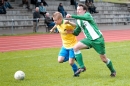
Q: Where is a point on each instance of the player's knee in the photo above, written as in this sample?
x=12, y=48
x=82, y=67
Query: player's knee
x=75, y=49
x=60, y=60
x=71, y=63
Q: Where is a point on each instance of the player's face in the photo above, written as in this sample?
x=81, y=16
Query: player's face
x=80, y=10
x=57, y=21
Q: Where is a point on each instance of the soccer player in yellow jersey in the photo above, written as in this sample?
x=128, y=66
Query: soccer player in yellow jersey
x=68, y=40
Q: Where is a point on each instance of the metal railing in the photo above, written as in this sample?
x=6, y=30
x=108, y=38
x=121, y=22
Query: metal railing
x=14, y=20
x=74, y=20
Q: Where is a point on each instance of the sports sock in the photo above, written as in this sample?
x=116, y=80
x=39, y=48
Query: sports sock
x=79, y=59
x=74, y=67
x=110, y=66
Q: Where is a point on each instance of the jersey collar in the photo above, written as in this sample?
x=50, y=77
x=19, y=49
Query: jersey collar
x=62, y=22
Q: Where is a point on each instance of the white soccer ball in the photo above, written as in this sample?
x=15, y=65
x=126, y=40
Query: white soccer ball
x=19, y=75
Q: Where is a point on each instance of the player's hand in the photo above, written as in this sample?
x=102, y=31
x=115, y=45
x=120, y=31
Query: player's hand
x=68, y=16
x=69, y=31
x=51, y=31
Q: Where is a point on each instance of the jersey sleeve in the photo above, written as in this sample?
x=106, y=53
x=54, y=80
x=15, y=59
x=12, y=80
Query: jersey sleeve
x=86, y=17
x=69, y=27
x=77, y=30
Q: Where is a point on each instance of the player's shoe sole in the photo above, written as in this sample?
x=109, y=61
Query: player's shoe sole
x=79, y=71
x=76, y=75
x=113, y=74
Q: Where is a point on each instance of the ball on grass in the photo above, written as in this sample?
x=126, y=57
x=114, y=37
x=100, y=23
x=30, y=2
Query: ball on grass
x=19, y=75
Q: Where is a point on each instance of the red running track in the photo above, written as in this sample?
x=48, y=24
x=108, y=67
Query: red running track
x=12, y=43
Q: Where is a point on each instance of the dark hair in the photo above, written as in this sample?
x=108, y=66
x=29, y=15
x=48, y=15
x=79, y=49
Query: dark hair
x=84, y=6
x=1, y=3
x=60, y=3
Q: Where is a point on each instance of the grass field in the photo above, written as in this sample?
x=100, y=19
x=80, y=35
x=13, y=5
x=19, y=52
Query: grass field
x=42, y=69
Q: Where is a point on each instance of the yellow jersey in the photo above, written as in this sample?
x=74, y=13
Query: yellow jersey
x=68, y=40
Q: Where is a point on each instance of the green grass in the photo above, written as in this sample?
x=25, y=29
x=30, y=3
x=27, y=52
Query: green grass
x=42, y=69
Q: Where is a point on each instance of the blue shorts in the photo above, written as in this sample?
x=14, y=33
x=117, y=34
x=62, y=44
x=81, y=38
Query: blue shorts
x=67, y=52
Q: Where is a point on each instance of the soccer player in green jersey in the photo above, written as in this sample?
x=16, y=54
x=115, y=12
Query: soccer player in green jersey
x=93, y=37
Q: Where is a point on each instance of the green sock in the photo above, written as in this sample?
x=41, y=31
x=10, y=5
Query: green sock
x=110, y=66
x=79, y=60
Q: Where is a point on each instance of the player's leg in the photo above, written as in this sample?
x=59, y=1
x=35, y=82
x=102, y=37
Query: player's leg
x=78, y=54
x=34, y=27
x=74, y=66
x=71, y=62
x=109, y=65
x=100, y=48
x=83, y=44
x=61, y=59
x=63, y=55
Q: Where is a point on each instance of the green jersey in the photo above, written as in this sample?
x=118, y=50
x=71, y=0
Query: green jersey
x=87, y=24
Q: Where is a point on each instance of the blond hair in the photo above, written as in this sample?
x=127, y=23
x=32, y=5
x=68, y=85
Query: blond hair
x=57, y=15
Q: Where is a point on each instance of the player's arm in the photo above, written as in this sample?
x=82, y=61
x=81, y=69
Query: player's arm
x=74, y=32
x=77, y=30
x=52, y=30
x=69, y=22
x=86, y=16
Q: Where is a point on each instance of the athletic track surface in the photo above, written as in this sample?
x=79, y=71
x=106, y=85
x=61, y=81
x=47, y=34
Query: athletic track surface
x=13, y=43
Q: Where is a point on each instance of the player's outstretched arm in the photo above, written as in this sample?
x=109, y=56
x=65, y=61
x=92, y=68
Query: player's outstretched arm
x=52, y=30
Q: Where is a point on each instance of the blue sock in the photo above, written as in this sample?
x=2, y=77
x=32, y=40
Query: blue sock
x=66, y=59
x=74, y=67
